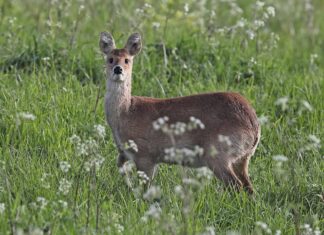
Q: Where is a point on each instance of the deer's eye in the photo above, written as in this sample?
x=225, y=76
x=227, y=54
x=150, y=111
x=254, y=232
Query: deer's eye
x=126, y=61
x=111, y=60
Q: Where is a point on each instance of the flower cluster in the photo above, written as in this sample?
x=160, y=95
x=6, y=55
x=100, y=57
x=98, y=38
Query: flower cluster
x=89, y=149
x=131, y=145
x=178, y=128
x=153, y=212
x=224, y=139
x=153, y=193
x=183, y=155
x=307, y=229
x=282, y=103
x=204, y=173
x=263, y=226
x=42, y=202
x=94, y=161
x=143, y=178
x=24, y=116
x=64, y=166
x=65, y=186
x=100, y=131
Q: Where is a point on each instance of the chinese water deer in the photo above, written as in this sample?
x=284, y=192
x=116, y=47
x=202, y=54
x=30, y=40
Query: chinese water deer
x=229, y=139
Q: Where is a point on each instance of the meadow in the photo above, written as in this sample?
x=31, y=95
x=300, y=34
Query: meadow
x=58, y=172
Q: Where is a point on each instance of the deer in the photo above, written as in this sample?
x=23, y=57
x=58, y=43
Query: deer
x=224, y=114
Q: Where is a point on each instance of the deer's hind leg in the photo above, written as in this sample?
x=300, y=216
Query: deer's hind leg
x=223, y=169
x=240, y=168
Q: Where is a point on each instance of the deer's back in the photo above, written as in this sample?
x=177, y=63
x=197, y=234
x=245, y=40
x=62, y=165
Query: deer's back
x=222, y=109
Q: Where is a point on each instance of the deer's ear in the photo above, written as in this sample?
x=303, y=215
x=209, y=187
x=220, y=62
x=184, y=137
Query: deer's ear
x=106, y=42
x=134, y=44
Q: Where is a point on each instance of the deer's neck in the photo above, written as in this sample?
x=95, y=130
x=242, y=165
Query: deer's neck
x=117, y=102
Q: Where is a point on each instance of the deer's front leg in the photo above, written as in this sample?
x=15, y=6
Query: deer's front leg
x=146, y=165
x=121, y=159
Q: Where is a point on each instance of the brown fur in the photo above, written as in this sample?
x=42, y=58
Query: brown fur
x=223, y=113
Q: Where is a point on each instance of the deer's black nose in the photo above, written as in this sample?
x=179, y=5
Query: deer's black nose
x=118, y=70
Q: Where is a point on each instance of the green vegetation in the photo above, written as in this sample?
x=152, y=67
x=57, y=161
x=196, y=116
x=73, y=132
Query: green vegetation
x=52, y=84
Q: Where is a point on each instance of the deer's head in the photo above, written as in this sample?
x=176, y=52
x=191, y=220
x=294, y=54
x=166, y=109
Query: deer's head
x=119, y=62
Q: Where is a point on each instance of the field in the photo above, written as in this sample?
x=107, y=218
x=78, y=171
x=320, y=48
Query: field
x=52, y=86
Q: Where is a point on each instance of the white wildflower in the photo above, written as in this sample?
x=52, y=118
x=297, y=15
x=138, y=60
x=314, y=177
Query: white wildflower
x=65, y=186
x=263, y=119
x=232, y=233
x=156, y=25
x=263, y=226
x=241, y=23
x=153, y=212
x=2, y=208
x=191, y=181
x=204, y=173
x=91, y=146
x=282, y=102
x=183, y=155
x=153, y=193
x=64, y=166
x=81, y=8
x=271, y=11
x=258, y=24
x=127, y=167
x=34, y=231
x=119, y=228
x=235, y=9
x=259, y=4
x=252, y=61
x=139, y=11
x=307, y=105
x=251, y=34
x=80, y=150
x=178, y=128
x=220, y=30
x=195, y=123
x=317, y=231
x=27, y=116
x=160, y=122
x=64, y=204
x=178, y=190
x=143, y=178
x=94, y=162
x=45, y=181
x=42, y=202
x=12, y=20
x=278, y=232
x=100, y=131
x=224, y=139
x=280, y=158
x=74, y=139
x=209, y=231
x=186, y=8
x=313, y=58
x=315, y=141
x=131, y=145
x=147, y=5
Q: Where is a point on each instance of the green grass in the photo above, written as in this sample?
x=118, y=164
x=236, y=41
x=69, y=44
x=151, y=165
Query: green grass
x=61, y=92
